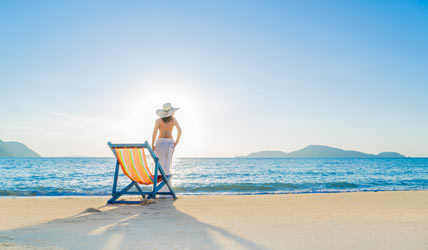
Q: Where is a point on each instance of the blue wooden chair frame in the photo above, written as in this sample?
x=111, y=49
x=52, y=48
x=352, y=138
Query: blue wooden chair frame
x=156, y=185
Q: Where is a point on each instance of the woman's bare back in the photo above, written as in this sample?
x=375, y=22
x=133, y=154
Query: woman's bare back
x=165, y=128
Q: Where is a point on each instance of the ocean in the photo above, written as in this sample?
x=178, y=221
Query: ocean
x=213, y=176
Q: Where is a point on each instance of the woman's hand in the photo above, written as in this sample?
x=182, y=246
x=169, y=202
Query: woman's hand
x=153, y=147
x=175, y=144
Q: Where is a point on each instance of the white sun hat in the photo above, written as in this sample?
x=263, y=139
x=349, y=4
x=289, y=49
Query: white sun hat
x=166, y=111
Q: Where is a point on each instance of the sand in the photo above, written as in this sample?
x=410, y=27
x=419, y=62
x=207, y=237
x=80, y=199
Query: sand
x=364, y=220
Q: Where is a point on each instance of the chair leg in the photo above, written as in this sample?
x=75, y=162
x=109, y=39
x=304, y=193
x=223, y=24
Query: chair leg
x=120, y=193
x=170, y=188
x=161, y=184
x=166, y=180
x=140, y=190
x=116, y=175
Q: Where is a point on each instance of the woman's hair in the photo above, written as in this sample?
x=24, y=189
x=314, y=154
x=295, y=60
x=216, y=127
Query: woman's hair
x=167, y=119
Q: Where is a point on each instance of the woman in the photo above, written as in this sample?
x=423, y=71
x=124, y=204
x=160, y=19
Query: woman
x=165, y=144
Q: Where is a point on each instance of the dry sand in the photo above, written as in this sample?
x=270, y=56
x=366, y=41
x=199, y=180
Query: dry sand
x=369, y=220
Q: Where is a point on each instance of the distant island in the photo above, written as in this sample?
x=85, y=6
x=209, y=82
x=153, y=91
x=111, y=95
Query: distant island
x=15, y=149
x=320, y=151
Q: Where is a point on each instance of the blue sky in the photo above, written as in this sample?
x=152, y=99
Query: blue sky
x=247, y=75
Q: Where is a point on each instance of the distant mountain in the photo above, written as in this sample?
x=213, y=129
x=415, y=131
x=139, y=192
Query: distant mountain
x=15, y=149
x=268, y=154
x=390, y=155
x=319, y=151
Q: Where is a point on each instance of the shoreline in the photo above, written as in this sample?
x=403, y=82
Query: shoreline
x=351, y=220
x=218, y=194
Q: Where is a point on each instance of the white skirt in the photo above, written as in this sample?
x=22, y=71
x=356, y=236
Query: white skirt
x=164, y=149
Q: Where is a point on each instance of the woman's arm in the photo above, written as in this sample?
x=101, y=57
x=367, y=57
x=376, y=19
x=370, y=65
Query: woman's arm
x=178, y=134
x=155, y=133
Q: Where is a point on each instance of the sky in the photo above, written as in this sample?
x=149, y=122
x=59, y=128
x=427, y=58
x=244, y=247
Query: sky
x=247, y=75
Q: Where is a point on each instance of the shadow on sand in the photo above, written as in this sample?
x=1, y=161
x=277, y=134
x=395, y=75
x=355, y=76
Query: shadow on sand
x=155, y=226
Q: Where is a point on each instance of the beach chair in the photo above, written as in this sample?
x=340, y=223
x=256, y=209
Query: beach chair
x=132, y=160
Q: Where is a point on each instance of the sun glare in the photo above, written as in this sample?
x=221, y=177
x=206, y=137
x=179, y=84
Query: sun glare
x=139, y=125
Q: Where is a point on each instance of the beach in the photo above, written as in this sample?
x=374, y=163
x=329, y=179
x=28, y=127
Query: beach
x=355, y=220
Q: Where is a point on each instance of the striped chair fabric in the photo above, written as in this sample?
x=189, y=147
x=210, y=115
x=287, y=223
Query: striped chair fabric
x=133, y=163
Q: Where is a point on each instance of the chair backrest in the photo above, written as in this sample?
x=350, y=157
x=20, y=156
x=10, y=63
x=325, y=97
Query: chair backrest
x=132, y=160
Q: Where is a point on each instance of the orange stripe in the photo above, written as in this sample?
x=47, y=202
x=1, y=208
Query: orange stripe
x=121, y=163
x=134, y=167
x=147, y=166
x=139, y=166
x=128, y=164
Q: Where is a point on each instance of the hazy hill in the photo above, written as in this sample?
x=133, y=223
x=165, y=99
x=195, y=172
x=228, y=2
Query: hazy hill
x=316, y=151
x=16, y=149
x=319, y=151
x=268, y=154
x=3, y=151
x=390, y=155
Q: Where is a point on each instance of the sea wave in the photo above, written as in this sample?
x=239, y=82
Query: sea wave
x=94, y=176
x=341, y=184
x=240, y=187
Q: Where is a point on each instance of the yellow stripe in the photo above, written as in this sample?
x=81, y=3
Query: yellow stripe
x=133, y=165
x=144, y=166
x=124, y=164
